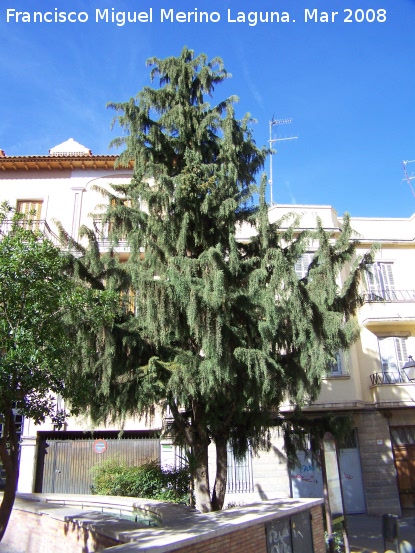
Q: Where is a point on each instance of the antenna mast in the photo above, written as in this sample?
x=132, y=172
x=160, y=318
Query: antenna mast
x=407, y=177
x=271, y=142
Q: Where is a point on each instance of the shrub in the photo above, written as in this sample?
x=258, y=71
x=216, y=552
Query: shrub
x=148, y=480
x=338, y=545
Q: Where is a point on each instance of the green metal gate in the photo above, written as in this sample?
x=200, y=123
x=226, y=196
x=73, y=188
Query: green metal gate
x=65, y=459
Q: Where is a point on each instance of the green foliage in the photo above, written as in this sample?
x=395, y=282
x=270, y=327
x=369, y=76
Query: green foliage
x=148, y=481
x=33, y=339
x=338, y=543
x=224, y=330
x=42, y=306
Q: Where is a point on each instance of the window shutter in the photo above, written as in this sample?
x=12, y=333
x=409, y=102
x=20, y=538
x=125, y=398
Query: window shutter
x=401, y=351
x=302, y=264
x=372, y=280
x=30, y=207
x=380, y=281
x=388, y=281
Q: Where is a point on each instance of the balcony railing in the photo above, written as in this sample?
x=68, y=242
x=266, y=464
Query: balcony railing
x=35, y=225
x=394, y=296
x=392, y=377
x=102, y=230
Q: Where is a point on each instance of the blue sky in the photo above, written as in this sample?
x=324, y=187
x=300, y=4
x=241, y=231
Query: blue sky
x=349, y=87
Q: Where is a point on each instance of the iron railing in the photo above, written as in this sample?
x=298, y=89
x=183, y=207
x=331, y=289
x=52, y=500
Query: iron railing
x=394, y=296
x=39, y=225
x=392, y=377
x=240, y=477
x=102, y=230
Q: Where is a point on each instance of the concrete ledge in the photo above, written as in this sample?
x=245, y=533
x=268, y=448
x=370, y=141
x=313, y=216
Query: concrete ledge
x=42, y=521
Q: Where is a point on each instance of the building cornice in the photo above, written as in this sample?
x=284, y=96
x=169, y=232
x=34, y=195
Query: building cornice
x=60, y=163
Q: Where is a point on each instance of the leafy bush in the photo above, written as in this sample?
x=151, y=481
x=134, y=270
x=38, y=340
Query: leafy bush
x=148, y=480
x=338, y=545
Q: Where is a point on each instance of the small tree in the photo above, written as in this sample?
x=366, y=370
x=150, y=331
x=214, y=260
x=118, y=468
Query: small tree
x=38, y=299
x=229, y=327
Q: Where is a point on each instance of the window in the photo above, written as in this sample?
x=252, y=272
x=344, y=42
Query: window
x=128, y=301
x=30, y=208
x=403, y=435
x=104, y=227
x=380, y=282
x=349, y=440
x=240, y=476
x=335, y=368
x=302, y=264
x=18, y=419
x=393, y=355
x=339, y=366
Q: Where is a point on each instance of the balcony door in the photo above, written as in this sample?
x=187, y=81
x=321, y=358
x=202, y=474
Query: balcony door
x=32, y=209
x=393, y=355
x=380, y=282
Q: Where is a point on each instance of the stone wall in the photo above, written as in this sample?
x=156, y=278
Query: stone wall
x=378, y=468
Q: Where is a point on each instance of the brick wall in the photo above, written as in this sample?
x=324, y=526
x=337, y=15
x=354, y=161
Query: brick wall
x=249, y=540
x=37, y=533
x=253, y=539
x=317, y=527
x=40, y=533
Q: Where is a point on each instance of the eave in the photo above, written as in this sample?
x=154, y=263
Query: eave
x=59, y=163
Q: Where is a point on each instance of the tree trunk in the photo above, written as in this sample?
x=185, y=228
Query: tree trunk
x=9, y=456
x=197, y=438
x=200, y=443
x=219, y=489
x=201, y=478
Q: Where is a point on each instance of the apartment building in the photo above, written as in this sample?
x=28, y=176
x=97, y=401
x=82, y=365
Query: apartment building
x=63, y=186
x=369, y=383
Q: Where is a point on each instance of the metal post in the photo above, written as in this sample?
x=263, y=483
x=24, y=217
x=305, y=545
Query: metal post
x=326, y=501
x=271, y=141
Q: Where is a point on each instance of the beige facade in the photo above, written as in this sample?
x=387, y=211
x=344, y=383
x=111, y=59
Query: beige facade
x=367, y=383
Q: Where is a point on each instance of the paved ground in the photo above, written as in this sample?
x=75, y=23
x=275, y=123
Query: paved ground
x=6, y=549
x=365, y=533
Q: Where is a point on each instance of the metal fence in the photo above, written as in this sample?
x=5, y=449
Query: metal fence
x=393, y=377
x=392, y=296
x=64, y=465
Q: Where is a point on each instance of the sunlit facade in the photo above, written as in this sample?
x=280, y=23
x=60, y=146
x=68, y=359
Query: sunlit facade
x=368, y=382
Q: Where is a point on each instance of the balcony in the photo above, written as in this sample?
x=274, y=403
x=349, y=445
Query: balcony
x=390, y=296
x=392, y=389
x=394, y=377
x=387, y=306
x=102, y=231
x=35, y=225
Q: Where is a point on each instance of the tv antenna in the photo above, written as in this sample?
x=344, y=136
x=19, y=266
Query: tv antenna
x=407, y=177
x=271, y=141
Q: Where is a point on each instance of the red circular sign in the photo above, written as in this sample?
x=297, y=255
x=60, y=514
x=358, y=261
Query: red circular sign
x=100, y=446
